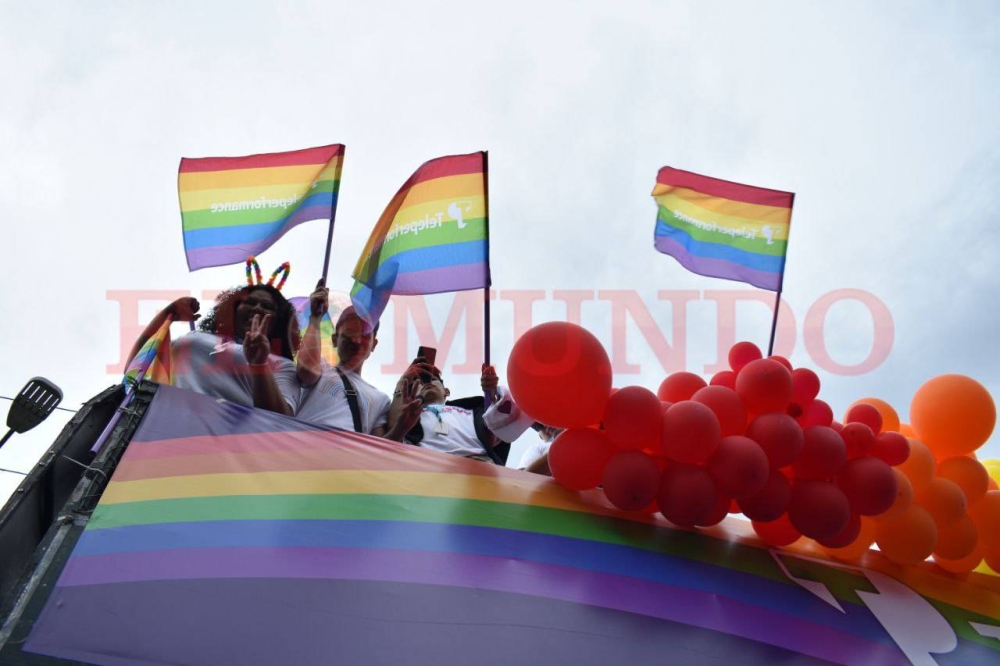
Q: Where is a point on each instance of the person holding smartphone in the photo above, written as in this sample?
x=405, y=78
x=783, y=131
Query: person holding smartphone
x=337, y=396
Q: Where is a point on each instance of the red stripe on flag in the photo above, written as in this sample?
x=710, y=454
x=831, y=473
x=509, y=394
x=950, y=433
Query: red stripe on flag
x=724, y=189
x=453, y=165
x=306, y=156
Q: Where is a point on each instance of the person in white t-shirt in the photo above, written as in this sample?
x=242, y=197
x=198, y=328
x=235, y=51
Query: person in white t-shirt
x=233, y=355
x=328, y=391
x=536, y=457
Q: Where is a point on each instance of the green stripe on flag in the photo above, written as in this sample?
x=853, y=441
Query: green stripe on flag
x=206, y=219
x=756, y=245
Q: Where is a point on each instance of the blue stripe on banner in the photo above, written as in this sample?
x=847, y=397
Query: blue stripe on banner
x=474, y=540
x=250, y=233
x=760, y=262
x=435, y=256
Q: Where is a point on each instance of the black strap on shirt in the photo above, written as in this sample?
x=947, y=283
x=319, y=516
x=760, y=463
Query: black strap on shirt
x=352, y=400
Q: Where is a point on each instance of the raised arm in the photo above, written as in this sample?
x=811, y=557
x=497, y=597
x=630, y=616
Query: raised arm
x=183, y=309
x=257, y=348
x=307, y=365
x=408, y=406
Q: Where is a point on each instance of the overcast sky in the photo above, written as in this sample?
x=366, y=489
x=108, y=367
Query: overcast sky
x=881, y=117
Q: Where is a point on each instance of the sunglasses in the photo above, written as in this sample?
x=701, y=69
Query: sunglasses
x=252, y=302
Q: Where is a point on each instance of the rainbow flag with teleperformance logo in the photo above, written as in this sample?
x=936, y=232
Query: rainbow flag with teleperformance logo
x=433, y=236
x=722, y=229
x=236, y=207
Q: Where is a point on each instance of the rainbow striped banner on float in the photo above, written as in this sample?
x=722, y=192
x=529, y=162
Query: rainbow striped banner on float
x=242, y=536
x=236, y=207
x=433, y=236
x=153, y=360
x=722, y=229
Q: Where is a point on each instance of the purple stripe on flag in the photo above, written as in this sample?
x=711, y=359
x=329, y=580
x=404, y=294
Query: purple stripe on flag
x=702, y=609
x=439, y=280
x=719, y=268
x=295, y=621
x=223, y=255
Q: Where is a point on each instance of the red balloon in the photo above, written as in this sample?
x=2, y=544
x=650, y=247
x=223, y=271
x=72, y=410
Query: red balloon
x=687, y=496
x=743, y=353
x=782, y=360
x=771, y=501
x=577, y=457
x=818, y=509
x=867, y=414
x=836, y=426
x=870, y=486
x=823, y=454
x=846, y=536
x=764, y=386
x=727, y=406
x=780, y=437
x=719, y=513
x=818, y=413
x=892, y=448
x=725, y=378
x=777, y=533
x=739, y=467
x=690, y=432
x=633, y=419
x=560, y=374
x=859, y=439
x=679, y=386
x=805, y=386
x=631, y=480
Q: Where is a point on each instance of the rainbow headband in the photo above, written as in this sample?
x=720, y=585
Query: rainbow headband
x=285, y=268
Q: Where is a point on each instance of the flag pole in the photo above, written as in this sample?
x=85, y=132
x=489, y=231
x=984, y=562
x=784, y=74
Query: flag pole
x=333, y=217
x=486, y=290
x=781, y=283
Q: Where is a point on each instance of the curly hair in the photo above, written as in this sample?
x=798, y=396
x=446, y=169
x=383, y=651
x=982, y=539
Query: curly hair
x=221, y=320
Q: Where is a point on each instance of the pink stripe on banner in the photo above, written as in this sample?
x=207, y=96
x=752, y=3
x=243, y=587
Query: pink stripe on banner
x=223, y=255
x=668, y=602
x=439, y=280
x=719, y=268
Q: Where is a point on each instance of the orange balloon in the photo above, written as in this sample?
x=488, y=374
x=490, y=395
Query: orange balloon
x=968, y=473
x=860, y=545
x=944, y=500
x=919, y=465
x=904, y=498
x=909, y=539
x=953, y=415
x=993, y=485
x=906, y=430
x=992, y=557
x=962, y=566
x=890, y=419
x=957, y=541
x=986, y=515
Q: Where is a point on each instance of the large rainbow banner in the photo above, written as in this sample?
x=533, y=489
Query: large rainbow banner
x=235, y=207
x=229, y=535
x=433, y=236
x=722, y=229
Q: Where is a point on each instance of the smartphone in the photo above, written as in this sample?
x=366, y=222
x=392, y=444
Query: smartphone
x=429, y=354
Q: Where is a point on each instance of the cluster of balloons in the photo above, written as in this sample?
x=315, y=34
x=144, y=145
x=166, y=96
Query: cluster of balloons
x=757, y=440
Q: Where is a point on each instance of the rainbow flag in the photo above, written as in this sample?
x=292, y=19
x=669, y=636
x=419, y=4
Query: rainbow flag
x=238, y=535
x=722, y=229
x=236, y=207
x=433, y=236
x=327, y=351
x=152, y=361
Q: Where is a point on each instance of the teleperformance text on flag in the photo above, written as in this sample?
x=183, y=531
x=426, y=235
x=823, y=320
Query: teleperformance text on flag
x=262, y=202
x=741, y=232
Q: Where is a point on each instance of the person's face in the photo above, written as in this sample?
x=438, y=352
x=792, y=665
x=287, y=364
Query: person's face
x=354, y=342
x=549, y=433
x=253, y=302
x=434, y=391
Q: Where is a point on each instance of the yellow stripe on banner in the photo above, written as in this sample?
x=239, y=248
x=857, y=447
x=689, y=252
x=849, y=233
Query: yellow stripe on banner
x=779, y=229
x=727, y=207
x=215, y=180
x=203, y=199
x=449, y=187
x=341, y=482
x=471, y=208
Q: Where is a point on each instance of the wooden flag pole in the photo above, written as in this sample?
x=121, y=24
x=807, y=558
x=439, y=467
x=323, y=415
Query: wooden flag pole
x=333, y=217
x=486, y=290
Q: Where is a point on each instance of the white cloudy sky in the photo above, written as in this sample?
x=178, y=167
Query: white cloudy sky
x=880, y=116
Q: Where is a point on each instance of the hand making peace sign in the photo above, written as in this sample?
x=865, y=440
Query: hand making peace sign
x=256, y=344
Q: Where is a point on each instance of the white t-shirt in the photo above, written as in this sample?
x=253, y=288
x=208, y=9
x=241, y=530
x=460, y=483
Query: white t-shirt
x=533, y=453
x=208, y=364
x=460, y=438
x=325, y=402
